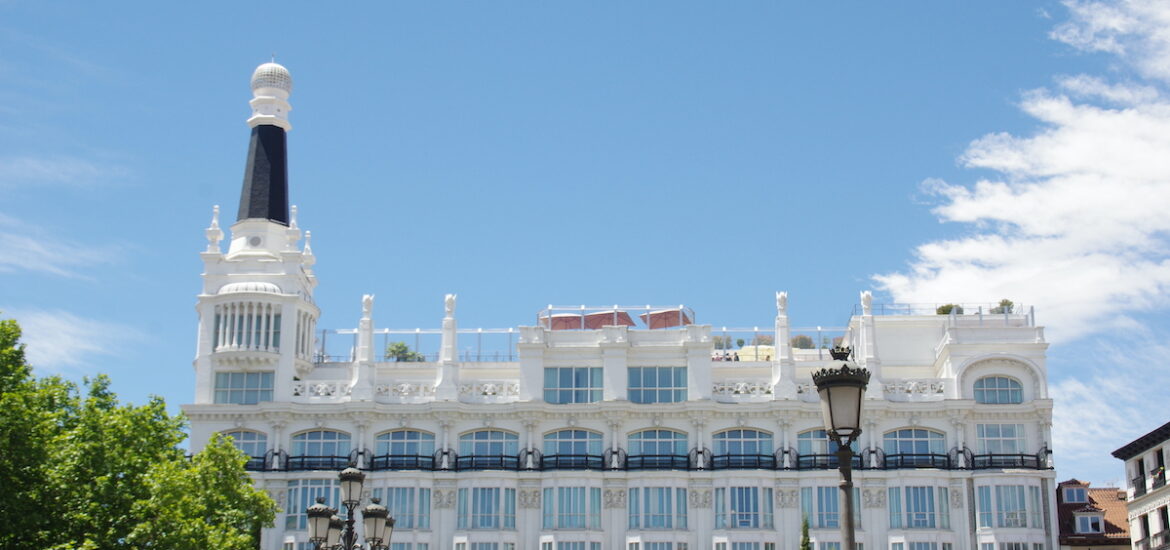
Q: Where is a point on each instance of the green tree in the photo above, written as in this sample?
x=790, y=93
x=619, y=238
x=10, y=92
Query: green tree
x=77, y=467
x=802, y=341
x=721, y=342
x=1005, y=306
x=739, y=342
x=763, y=340
x=805, y=542
x=402, y=353
x=946, y=309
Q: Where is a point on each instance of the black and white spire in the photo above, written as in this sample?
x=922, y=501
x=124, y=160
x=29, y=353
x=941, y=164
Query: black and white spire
x=265, y=192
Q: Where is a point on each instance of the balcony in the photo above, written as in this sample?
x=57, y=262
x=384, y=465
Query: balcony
x=899, y=461
x=824, y=462
x=743, y=462
x=402, y=462
x=657, y=462
x=991, y=461
x=487, y=462
x=572, y=462
x=1159, y=478
x=299, y=463
x=1139, y=486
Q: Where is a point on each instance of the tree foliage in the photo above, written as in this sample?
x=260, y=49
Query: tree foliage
x=402, y=353
x=805, y=542
x=81, y=470
x=946, y=309
x=1005, y=306
x=802, y=341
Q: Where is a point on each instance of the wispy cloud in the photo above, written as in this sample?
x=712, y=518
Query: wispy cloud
x=60, y=342
x=1075, y=221
x=25, y=247
x=21, y=171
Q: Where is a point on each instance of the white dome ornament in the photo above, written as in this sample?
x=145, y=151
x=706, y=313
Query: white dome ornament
x=271, y=86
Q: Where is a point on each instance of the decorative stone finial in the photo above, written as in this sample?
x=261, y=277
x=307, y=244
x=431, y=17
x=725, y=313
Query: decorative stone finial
x=214, y=233
x=866, y=302
x=449, y=305
x=271, y=86
x=367, y=305
x=782, y=303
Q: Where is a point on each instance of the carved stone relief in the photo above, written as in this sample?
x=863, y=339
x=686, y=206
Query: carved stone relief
x=873, y=498
x=699, y=498
x=615, y=498
x=530, y=499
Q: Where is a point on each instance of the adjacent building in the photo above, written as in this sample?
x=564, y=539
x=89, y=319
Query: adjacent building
x=1091, y=517
x=610, y=428
x=1149, y=498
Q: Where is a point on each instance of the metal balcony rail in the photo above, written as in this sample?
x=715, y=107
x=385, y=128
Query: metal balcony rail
x=487, y=462
x=1159, y=477
x=657, y=462
x=982, y=314
x=743, y=462
x=572, y=462
x=900, y=461
x=402, y=462
x=824, y=462
x=1139, y=486
x=297, y=463
x=997, y=460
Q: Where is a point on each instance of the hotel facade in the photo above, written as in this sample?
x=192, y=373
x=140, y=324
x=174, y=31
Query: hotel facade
x=607, y=428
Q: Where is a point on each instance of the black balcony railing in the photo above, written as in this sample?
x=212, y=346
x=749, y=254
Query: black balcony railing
x=657, y=462
x=317, y=463
x=916, y=461
x=402, y=462
x=994, y=460
x=824, y=462
x=1158, y=478
x=1160, y=541
x=487, y=462
x=743, y=462
x=1139, y=486
x=255, y=464
x=572, y=462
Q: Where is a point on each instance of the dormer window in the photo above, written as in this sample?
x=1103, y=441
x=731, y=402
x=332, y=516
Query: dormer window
x=1089, y=523
x=1075, y=494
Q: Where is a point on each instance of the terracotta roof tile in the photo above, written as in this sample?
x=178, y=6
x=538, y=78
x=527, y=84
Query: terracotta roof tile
x=1110, y=501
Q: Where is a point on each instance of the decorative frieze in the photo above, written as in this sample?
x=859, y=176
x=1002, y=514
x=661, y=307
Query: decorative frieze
x=529, y=499
x=741, y=388
x=873, y=498
x=615, y=498
x=443, y=499
x=320, y=389
x=405, y=389
x=928, y=386
x=699, y=498
x=787, y=498
x=496, y=388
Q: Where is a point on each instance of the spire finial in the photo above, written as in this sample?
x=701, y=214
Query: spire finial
x=214, y=233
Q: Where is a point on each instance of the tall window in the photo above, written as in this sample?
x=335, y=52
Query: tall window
x=743, y=508
x=743, y=443
x=253, y=444
x=1000, y=438
x=914, y=447
x=657, y=508
x=243, y=388
x=572, y=449
x=571, y=508
x=410, y=507
x=1089, y=524
x=998, y=390
x=821, y=506
x=303, y=493
x=658, y=384
x=919, y=508
x=321, y=443
x=658, y=449
x=489, y=443
x=816, y=450
x=572, y=385
x=406, y=443
x=487, y=508
x=1009, y=507
x=248, y=326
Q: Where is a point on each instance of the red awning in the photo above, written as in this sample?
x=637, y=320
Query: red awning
x=564, y=321
x=665, y=318
x=615, y=317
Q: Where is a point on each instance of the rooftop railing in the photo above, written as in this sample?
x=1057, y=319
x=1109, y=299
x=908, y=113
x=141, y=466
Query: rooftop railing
x=963, y=313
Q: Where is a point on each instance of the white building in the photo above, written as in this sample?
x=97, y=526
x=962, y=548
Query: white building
x=610, y=428
x=1149, y=498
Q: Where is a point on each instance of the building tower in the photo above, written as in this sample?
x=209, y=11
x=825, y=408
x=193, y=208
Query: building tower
x=256, y=311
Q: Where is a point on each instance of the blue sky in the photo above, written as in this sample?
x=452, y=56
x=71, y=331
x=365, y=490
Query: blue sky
x=521, y=154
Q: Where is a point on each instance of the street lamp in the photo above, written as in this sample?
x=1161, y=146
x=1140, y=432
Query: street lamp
x=329, y=532
x=841, y=390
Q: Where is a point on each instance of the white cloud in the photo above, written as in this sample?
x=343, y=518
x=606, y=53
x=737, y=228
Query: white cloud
x=61, y=342
x=1075, y=221
x=18, y=171
x=24, y=247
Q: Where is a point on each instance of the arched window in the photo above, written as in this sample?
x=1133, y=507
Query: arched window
x=404, y=450
x=572, y=442
x=253, y=444
x=484, y=449
x=743, y=449
x=320, y=450
x=998, y=390
x=658, y=449
x=815, y=450
x=915, y=447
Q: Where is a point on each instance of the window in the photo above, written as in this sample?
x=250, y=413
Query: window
x=1013, y=546
x=410, y=507
x=572, y=508
x=406, y=443
x=487, y=508
x=320, y=449
x=657, y=508
x=658, y=449
x=253, y=444
x=742, y=444
x=998, y=390
x=571, y=545
x=243, y=388
x=743, y=508
x=820, y=506
x=914, y=447
x=1075, y=494
x=923, y=545
x=489, y=443
x=246, y=326
x=485, y=546
x=829, y=545
x=396, y=546
x=659, y=546
x=919, y=508
x=1000, y=438
x=658, y=384
x=898, y=546
x=573, y=448
x=572, y=385
x=1010, y=507
x=816, y=450
x=303, y=493
x=1089, y=524
x=745, y=546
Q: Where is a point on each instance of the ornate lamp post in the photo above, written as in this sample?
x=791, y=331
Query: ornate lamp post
x=329, y=532
x=841, y=390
